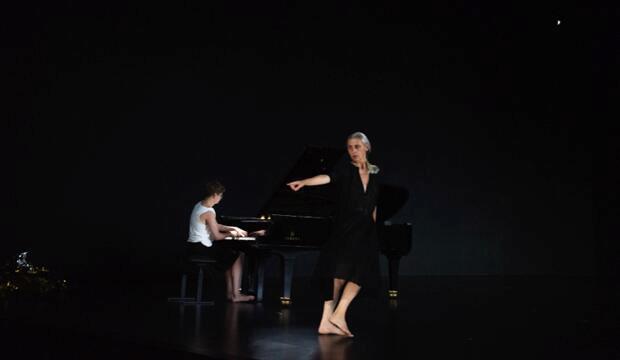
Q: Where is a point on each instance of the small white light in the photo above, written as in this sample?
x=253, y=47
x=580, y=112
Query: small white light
x=559, y=22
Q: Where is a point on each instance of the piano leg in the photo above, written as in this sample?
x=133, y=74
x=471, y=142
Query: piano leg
x=394, y=263
x=249, y=273
x=256, y=272
x=288, y=265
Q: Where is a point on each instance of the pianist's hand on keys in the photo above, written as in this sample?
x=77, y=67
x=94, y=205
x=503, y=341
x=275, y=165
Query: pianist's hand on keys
x=243, y=238
x=250, y=237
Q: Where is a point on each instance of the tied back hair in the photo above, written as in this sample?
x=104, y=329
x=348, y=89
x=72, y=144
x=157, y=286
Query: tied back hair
x=373, y=169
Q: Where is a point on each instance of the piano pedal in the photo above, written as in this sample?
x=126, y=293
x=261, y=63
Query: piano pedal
x=393, y=294
x=285, y=301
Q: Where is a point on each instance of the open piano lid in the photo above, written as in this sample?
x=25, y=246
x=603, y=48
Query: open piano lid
x=318, y=201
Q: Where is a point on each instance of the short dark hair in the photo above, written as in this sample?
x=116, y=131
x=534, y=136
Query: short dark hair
x=214, y=187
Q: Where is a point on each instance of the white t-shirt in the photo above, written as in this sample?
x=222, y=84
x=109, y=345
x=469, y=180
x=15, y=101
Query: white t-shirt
x=198, y=230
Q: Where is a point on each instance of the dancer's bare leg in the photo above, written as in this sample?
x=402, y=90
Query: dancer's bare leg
x=338, y=318
x=237, y=271
x=338, y=285
x=326, y=327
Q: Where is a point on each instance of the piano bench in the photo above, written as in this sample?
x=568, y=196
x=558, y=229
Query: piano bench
x=202, y=263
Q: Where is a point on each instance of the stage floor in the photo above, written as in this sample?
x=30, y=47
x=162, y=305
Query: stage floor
x=434, y=317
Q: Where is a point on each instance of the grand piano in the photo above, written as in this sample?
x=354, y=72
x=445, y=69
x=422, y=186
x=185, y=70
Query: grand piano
x=300, y=222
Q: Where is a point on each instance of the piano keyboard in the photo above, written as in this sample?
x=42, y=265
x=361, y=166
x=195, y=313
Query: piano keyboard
x=243, y=238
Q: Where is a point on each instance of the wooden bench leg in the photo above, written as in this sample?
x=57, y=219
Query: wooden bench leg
x=183, y=296
x=199, y=289
x=197, y=300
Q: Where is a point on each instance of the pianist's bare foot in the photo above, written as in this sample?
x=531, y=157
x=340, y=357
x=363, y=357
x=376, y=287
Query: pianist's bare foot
x=230, y=295
x=327, y=328
x=341, y=324
x=242, y=298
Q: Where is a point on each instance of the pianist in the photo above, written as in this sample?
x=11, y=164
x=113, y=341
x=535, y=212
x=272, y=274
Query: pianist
x=350, y=259
x=207, y=238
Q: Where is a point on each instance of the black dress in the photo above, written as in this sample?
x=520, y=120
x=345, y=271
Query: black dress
x=352, y=252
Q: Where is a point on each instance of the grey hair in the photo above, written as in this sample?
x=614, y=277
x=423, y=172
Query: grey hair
x=361, y=136
x=373, y=169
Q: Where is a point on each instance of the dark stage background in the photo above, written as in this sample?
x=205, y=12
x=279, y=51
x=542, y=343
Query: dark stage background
x=477, y=109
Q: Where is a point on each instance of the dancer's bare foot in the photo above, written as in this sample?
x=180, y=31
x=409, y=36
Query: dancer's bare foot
x=242, y=298
x=327, y=328
x=341, y=324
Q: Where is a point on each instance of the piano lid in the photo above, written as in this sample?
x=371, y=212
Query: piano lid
x=391, y=199
x=310, y=200
x=319, y=201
